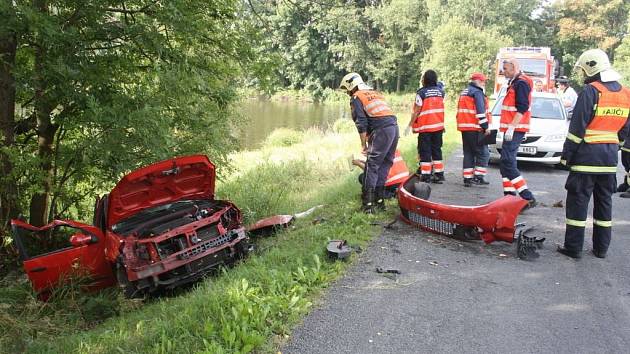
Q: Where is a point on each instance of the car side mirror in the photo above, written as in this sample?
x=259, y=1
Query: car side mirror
x=80, y=239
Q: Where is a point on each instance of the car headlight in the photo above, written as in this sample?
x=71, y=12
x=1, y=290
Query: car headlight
x=555, y=138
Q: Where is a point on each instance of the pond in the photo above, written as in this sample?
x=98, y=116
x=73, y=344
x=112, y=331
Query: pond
x=264, y=116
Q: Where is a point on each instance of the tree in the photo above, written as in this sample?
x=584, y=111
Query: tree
x=103, y=87
x=458, y=50
x=622, y=58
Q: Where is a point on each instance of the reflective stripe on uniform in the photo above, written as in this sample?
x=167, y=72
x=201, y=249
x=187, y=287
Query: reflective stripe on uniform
x=574, y=138
x=625, y=149
x=480, y=115
x=576, y=223
x=467, y=125
x=519, y=126
x=429, y=126
x=464, y=110
x=594, y=169
x=602, y=223
x=430, y=111
x=508, y=108
x=613, y=112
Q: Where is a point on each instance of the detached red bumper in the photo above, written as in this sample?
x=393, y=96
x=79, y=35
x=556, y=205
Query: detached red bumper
x=489, y=222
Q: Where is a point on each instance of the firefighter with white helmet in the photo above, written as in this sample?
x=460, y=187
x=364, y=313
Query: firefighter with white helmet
x=600, y=121
x=378, y=131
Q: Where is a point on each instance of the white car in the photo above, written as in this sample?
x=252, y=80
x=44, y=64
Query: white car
x=548, y=130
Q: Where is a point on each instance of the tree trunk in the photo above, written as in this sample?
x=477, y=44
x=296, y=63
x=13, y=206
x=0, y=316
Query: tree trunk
x=8, y=190
x=45, y=134
x=398, y=78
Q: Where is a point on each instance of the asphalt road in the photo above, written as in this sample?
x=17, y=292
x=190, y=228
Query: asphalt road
x=466, y=297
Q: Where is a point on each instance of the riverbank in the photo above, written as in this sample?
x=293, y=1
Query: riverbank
x=251, y=306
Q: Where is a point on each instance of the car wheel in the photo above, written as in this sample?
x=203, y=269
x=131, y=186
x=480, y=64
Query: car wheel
x=129, y=289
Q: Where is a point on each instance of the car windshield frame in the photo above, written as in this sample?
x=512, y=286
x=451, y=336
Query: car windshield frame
x=536, y=112
x=126, y=225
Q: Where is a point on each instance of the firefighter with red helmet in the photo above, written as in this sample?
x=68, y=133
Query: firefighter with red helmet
x=378, y=131
x=515, y=117
x=473, y=118
x=600, y=121
x=427, y=120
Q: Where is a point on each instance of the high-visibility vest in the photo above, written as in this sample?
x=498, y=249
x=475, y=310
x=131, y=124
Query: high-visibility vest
x=398, y=172
x=430, y=118
x=508, y=109
x=373, y=103
x=610, y=115
x=467, y=117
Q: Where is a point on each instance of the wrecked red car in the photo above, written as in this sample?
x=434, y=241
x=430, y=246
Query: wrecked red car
x=160, y=227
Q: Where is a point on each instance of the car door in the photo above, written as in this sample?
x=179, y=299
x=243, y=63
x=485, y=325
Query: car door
x=83, y=255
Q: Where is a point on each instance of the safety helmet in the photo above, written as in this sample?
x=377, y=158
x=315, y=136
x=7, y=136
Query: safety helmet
x=595, y=61
x=352, y=80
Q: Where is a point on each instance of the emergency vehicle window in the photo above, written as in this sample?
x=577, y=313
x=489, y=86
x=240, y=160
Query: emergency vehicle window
x=531, y=67
x=38, y=243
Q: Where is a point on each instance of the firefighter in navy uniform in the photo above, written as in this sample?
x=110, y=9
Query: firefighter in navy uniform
x=599, y=123
x=473, y=118
x=378, y=131
x=515, y=117
x=624, y=187
x=427, y=119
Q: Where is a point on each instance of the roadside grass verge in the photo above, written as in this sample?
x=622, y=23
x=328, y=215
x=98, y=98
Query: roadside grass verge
x=251, y=306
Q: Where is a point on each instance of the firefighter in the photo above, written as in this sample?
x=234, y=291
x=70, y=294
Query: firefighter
x=427, y=119
x=599, y=123
x=372, y=117
x=473, y=118
x=625, y=160
x=397, y=174
x=515, y=116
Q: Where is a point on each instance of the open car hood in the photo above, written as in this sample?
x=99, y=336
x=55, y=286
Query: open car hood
x=187, y=177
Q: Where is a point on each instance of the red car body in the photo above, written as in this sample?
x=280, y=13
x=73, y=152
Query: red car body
x=490, y=222
x=159, y=227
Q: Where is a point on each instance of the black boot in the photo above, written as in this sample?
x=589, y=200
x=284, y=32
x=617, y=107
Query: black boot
x=368, y=201
x=625, y=195
x=468, y=182
x=480, y=180
x=380, y=198
x=438, y=178
x=425, y=178
x=622, y=187
x=569, y=253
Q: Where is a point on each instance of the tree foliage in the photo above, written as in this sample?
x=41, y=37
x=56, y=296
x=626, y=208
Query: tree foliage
x=459, y=50
x=103, y=87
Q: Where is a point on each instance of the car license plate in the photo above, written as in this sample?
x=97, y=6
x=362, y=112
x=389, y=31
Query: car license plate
x=527, y=150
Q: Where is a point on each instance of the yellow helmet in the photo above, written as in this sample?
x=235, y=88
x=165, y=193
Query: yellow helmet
x=595, y=61
x=352, y=80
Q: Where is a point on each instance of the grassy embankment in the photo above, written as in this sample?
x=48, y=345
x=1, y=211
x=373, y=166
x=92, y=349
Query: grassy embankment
x=251, y=306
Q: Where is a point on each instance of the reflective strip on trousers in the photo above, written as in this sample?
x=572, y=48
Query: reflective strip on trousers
x=602, y=223
x=576, y=223
x=594, y=169
x=507, y=186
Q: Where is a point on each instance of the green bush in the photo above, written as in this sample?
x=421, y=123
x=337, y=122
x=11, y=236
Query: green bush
x=283, y=137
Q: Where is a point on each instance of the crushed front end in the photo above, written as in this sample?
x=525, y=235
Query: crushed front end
x=180, y=247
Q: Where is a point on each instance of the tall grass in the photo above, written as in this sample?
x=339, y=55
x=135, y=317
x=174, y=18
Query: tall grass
x=251, y=306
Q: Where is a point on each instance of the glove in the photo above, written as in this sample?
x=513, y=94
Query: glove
x=508, y=134
x=407, y=130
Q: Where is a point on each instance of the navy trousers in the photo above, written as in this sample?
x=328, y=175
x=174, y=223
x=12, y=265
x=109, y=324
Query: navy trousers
x=580, y=187
x=380, y=158
x=509, y=169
